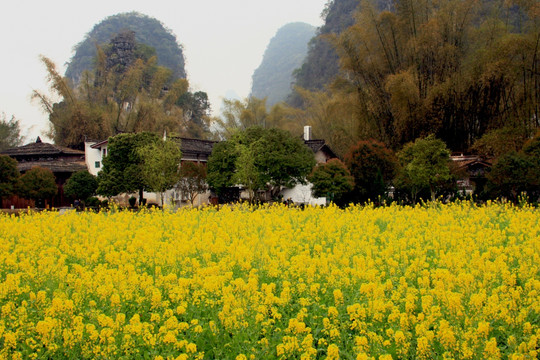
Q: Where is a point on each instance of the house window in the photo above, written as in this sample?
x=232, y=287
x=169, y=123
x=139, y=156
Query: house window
x=104, y=152
x=97, y=164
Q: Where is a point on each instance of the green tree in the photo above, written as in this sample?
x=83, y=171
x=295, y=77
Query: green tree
x=241, y=115
x=160, y=162
x=122, y=167
x=196, y=109
x=221, y=166
x=246, y=172
x=81, y=185
x=126, y=92
x=508, y=177
x=9, y=176
x=10, y=132
x=517, y=172
x=453, y=68
x=283, y=160
x=425, y=164
x=331, y=180
x=500, y=141
x=280, y=159
x=373, y=167
x=38, y=184
x=192, y=180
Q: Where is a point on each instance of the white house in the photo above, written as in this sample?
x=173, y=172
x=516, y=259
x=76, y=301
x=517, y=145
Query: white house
x=94, y=152
x=192, y=150
x=301, y=194
x=197, y=150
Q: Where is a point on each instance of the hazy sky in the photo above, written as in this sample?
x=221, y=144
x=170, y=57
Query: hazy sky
x=223, y=41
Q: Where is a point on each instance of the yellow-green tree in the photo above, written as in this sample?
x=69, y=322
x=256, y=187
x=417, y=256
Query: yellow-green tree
x=160, y=165
x=123, y=94
x=455, y=68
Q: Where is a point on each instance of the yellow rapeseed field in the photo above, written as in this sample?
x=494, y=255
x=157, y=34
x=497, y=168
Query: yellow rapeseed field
x=433, y=282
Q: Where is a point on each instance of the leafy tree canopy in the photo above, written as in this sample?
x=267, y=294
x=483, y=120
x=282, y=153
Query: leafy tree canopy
x=273, y=158
x=81, y=185
x=331, y=180
x=196, y=108
x=160, y=161
x=424, y=165
x=373, y=167
x=516, y=172
x=122, y=167
x=38, y=184
x=9, y=176
x=500, y=141
x=221, y=166
x=10, y=132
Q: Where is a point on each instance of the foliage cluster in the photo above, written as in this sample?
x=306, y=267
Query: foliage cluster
x=122, y=167
x=373, y=167
x=331, y=180
x=10, y=132
x=126, y=91
x=457, y=69
x=37, y=184
x=9, y=176
x=160, y=162
x=81, y=185
x=517, y=173
x=259, y=159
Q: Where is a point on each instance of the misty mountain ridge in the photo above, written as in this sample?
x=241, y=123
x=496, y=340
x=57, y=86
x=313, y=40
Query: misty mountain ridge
x=286, y=52
x=148, y=31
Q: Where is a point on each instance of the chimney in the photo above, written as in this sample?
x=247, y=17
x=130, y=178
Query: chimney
x=307, y=132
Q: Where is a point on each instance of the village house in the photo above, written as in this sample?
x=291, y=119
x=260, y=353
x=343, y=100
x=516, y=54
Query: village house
x=194, y=150
x=199, y=151
x=301, y=194
x=472, y=171
x=62, y=161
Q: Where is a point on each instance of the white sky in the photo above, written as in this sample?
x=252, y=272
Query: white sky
x=224, y=42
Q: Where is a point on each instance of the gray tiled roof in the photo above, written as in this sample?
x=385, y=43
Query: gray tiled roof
x=196, y=146
x=56, y=165
x=319, y=144
x=41, y=148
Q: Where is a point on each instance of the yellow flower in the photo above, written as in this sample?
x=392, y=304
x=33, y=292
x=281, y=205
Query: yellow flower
x=332, y=352
x=10, y=340
x=491, y=351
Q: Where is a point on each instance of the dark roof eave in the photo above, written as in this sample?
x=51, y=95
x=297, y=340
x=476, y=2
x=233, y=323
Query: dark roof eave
x=99, y=144
x=56, y=167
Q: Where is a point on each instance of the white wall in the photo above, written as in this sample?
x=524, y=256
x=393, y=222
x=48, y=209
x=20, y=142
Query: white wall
x=301, y=194
x=92, y=156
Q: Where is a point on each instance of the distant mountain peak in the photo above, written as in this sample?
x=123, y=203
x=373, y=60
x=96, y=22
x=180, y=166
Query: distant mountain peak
x=148, y=31
x=285, y=52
